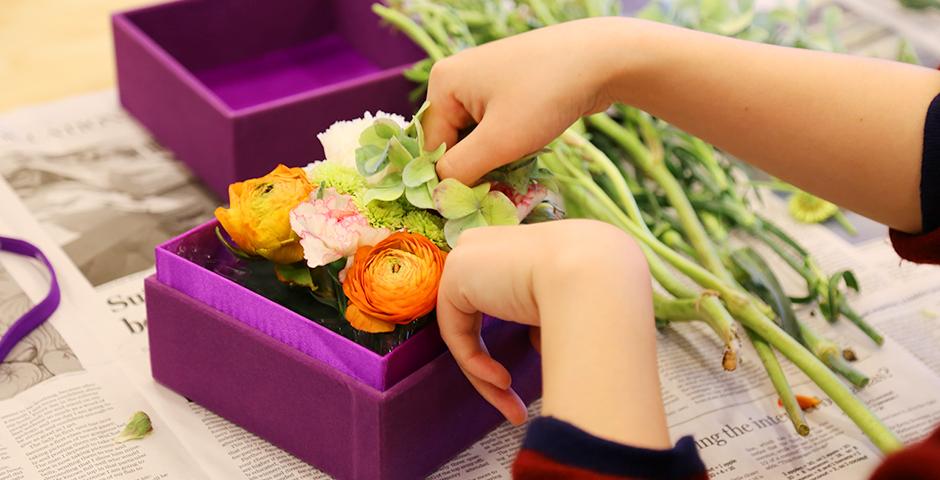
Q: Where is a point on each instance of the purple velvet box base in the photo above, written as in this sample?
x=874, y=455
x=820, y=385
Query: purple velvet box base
x=325, y=417
x=234, y=88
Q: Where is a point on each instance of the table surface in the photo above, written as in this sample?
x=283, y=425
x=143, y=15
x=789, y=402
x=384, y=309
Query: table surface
x=55, y=48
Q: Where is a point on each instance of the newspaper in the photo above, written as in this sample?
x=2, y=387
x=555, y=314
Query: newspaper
x=98, y=183
x=79, y=377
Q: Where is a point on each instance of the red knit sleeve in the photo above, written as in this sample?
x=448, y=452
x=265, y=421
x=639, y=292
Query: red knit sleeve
x=556, y=450
x=917, y=462
x=921, y=248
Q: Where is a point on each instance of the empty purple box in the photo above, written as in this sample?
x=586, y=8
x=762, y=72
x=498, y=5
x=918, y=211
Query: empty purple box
x=235, y=87
x=330, y=402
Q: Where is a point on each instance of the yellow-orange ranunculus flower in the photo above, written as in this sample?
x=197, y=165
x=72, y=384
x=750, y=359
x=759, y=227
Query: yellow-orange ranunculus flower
x=393, y=282
x=258, y=215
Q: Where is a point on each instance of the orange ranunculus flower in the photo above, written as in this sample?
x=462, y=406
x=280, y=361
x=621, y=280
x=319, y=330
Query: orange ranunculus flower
x=393, y=282
x=258, y=215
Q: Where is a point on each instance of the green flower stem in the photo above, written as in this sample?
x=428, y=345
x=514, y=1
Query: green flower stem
x=706, y=156
x=410, y=28
x=713, y=226
x=767, y=357
x=656, y=169
x=880, y=435
x=831, y=355
x=813, y=276
x=602, y=162
x=715, y=313
x=675, y=241
x=675, y=310
x=750, y=315
x=862, y=324
x=843, y=221
x=704, y=306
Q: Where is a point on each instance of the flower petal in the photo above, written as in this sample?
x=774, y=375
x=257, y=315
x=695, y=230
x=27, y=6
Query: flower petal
x=362, y=322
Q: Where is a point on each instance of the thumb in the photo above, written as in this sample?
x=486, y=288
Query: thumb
x=487, y=147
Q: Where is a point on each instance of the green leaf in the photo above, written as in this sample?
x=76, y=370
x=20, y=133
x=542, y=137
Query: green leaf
x=713, y=10
x=481, y=190
x=420, y=196
x=295, y=275
x=390, y=188
x=497, y=209
x=137, y=427
x=454, y=200
x=736, y=24
x=414, y=129
x=850, y=280
x=418, y=172
x=804, y=300
x=410, y=144
x=437, y=153
x=453, y=228
x=378, y=134
x=759, y=278
x=398, y=155
x=420, y=72
x=371, y=159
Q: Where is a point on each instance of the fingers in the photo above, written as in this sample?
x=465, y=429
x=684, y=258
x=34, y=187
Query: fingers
x=506, y=401
x=443, y=119
x=489, y=146
x=445, y=115
x=460, y=328
x=535, y=336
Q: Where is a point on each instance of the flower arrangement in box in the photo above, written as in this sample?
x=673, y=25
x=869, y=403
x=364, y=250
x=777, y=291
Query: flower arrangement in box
x=365, y=232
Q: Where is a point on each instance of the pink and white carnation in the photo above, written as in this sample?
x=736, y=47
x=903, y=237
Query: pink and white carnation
x=331, y=228
x=341, y=140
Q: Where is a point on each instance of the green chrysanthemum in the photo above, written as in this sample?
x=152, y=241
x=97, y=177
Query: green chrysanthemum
x=343, y=179
x=381, y=214
x=808, y=208
x=427, y=224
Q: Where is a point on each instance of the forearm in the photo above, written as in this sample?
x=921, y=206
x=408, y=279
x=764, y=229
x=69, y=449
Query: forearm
x=599, y=349
x=846, y=128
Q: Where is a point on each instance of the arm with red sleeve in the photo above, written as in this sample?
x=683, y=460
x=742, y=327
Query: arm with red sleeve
x=557, y=450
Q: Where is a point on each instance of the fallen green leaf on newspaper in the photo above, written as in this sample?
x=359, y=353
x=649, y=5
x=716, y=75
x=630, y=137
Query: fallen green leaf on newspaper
x=137, y=427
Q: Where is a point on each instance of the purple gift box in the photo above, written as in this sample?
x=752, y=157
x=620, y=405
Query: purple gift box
x=235, y=87
x=327, y=400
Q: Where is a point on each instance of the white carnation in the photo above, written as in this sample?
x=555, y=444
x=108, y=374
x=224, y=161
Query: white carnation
x=341, y=140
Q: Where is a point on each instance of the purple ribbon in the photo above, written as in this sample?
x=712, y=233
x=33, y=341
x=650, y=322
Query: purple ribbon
x=39, y=313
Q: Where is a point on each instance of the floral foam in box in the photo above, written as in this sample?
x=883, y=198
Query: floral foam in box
x=233, y=88
x=318, y=395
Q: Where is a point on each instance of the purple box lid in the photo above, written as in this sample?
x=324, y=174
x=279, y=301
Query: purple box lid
x=378, y=371
x=234, y=88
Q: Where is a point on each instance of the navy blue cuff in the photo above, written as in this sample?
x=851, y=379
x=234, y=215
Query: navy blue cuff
x=930, y=170
x=569, y=445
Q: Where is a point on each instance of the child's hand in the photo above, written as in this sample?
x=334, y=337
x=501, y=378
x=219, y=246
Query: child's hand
x=587, y=286
x=522, y=92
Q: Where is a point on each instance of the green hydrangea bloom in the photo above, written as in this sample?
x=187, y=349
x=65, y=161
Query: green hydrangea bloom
x=343, y=179
x=381, y=214
x=423, y=222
